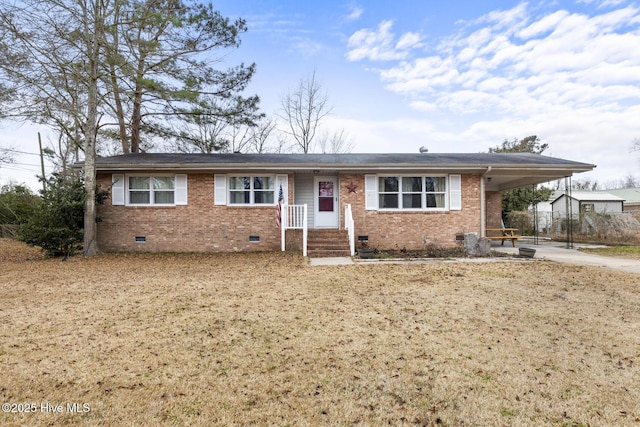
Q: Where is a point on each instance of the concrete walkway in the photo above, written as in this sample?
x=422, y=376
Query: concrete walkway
x=343, y=260
x=555, y=251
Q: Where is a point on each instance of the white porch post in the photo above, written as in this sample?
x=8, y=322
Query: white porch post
x=349, y=225
x=283, y=224
x=304, y=230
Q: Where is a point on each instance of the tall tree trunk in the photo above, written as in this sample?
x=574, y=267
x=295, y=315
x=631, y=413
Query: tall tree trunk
x=136, y=116
x=136, y=120
x=92, y=40
x=122, y=127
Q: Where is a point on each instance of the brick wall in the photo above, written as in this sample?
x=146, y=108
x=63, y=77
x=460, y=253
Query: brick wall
x=493, y=200
x=202, y=226
x=199, y=226
x=410, y=230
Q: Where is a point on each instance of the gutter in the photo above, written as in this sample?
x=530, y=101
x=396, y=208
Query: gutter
x=282, y=166
x=338, y=167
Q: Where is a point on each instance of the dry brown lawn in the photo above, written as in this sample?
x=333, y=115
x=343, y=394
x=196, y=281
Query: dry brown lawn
x=265, y=339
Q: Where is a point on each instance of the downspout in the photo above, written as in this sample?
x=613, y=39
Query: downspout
x=483, y=204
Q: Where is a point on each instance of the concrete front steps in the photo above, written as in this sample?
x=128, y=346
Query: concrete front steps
x=328, y=243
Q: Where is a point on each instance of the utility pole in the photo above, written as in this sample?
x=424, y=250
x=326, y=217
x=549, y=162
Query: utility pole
x=44, y=179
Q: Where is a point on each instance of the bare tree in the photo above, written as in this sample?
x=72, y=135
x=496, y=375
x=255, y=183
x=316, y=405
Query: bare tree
x=302, y=109
x=218, y=125
x=629, y=181
x=62, y=153
x=5, y=91
x=338, y=142
x=260, y=136
x=283, y=145
x=585, y=184
x=54, y=51
x=240, y=138
x=6, y=156
x=203, y=136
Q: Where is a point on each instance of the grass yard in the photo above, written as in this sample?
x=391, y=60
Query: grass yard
x=265, y=339
x=632, y=252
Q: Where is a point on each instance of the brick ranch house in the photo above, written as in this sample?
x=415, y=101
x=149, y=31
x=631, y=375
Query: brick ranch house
x=229, y=202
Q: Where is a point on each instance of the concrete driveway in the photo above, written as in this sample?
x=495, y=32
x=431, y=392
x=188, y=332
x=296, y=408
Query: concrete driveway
x=556, y=251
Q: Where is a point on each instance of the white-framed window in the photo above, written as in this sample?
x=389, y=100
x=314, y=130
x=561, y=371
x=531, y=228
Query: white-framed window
x=149, y=189
x=435, y=192
x=245, y=190
x=252, y=190
x=412, y=192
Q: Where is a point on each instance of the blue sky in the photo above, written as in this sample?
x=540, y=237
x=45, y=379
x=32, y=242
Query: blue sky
x=458, y=76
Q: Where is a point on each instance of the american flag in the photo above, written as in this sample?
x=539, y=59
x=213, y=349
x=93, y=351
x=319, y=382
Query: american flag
x=279, y=212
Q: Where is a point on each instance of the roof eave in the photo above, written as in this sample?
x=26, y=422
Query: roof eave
x=567, y=168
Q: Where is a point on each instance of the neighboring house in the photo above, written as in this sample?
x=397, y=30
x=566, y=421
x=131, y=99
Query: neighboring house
x=228, y=202
x=586, y=202
x=544, y=211
x=631, y=198
x=544, y=207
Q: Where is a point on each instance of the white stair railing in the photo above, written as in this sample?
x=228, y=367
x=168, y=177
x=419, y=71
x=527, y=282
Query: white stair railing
x=294, y=217
x=350, y=227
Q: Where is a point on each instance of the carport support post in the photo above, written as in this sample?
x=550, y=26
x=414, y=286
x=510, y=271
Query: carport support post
x=568, y=211
x=535, y=215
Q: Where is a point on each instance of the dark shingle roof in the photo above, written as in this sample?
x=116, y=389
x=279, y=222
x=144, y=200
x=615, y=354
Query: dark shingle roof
x=502, y=171
x=337, y=161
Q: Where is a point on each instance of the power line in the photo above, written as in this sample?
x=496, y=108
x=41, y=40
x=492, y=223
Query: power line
x=24, y=164
x=29, y=167
x=10, y=150
x=16, y=169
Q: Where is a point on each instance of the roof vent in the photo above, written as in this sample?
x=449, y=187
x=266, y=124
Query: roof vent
x=424, y=149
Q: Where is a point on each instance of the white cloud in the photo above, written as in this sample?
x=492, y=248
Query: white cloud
x=601, y=4
x=423, y=106
x=305, y=46
x=571, y=78
x=378, y=44
x=408, y=41
x=355, y=12
x=561, y=57
x=506, y=19
x=544, y=25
